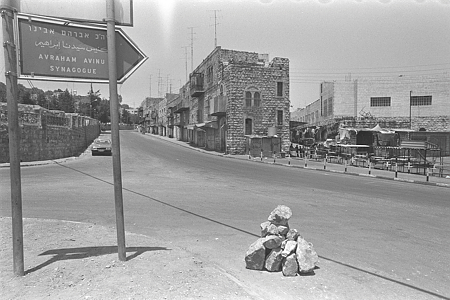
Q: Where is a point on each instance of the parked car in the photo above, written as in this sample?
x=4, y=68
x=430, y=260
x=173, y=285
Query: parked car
x=101, y=146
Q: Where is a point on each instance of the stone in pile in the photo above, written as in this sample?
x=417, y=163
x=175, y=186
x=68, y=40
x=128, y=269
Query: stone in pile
x=281, y=248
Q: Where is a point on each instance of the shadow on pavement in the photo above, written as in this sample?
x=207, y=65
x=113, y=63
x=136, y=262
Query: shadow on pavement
x=84, y=252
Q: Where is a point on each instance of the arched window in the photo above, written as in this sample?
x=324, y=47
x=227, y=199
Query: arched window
x=257, y=99
x=248, y=99
x=252, y=97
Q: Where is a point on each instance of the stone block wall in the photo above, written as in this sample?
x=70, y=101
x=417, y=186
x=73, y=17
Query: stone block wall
x=43, y=140
x=241, y=77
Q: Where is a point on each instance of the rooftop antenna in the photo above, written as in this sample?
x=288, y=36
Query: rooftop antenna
x=192, y=48
x=186, y=60
x=215, y=26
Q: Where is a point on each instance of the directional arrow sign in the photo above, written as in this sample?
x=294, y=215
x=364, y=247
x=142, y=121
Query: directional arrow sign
x=51, y=49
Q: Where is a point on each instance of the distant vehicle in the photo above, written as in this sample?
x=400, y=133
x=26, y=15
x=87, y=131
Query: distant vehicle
x=101, y=146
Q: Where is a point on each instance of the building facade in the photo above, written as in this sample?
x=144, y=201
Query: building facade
x=148, y=113
x=418, y=103
x=231, y=96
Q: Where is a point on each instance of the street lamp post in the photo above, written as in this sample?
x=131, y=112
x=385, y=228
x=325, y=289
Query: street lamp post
x=410, y=104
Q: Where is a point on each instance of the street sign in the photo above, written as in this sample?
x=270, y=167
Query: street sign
x=92, y=11
x=53, y=49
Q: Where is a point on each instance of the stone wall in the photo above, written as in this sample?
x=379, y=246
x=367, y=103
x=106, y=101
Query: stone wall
x=263, y=78
x=46, y=135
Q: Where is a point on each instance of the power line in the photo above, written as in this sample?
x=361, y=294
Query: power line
x=371, y=72
x=376, y=68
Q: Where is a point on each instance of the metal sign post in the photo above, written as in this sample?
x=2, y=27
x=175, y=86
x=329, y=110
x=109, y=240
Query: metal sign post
x=114, y=108
x=9, y=48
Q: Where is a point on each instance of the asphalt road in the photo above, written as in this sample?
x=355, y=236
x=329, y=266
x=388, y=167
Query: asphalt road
x=376, y=239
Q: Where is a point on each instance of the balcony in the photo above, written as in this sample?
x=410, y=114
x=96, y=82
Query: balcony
x=196, y=87
x=219, y=106
x=180, y=107
x=170, y=120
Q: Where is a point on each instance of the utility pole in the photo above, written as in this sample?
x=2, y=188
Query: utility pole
x=192, y=48
x=150, y=86
x=410, y=104
x=9, y=49
x=215, y=27
x=186, y=61
x=159, y=82
x=167, y=84
x=91, y=96
x=114, y=108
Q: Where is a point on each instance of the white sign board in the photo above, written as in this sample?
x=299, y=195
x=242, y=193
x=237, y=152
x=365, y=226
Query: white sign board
x=79, y=10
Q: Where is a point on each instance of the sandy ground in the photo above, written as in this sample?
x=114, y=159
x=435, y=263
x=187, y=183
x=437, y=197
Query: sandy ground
x=70, y=260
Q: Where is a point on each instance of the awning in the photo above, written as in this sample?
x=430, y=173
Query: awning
x=209, y=124
x=190, y=126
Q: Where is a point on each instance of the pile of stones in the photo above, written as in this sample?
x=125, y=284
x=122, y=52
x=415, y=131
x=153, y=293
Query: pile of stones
x=280, y=248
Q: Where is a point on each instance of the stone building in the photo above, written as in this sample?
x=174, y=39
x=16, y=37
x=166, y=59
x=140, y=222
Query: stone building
x=231, y=96
x=417, y=103
x=148, y=112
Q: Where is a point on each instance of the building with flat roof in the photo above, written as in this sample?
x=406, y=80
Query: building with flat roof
x=418, y=103
x=231, y=96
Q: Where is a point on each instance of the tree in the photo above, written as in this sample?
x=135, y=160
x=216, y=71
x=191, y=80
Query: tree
x=103, y=111
x=21, y=90
x=95, y=100
x=66, y=102
x=125, y=118
x=54, y=103
x=2, y=92
x=41, y=100
x=26, y=98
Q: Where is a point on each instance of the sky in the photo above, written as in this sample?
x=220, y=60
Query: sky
x=323, y=39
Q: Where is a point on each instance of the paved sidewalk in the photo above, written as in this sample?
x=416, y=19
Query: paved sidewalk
x=318, y=165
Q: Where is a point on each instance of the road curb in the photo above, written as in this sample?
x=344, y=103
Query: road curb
x=438, y=184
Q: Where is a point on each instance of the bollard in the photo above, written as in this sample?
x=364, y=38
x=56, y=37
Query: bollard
x=249, y=157
x=325, y=163
x=428, y=174
x=261, y=155
x=396, y=170
x=274, y=156
x=306, y=161
x=345, y=166
x=409, y=167
x=370, y=165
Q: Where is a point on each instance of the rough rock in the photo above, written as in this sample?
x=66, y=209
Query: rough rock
x=256, y=255
x=267, y=228
x=273, y=260
x=307, y=257
x=280, y=215
x=283, y=230
x=289, y=248
x=283, y=244
x=272, y=241
x=292, y=235
x=290, y=265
